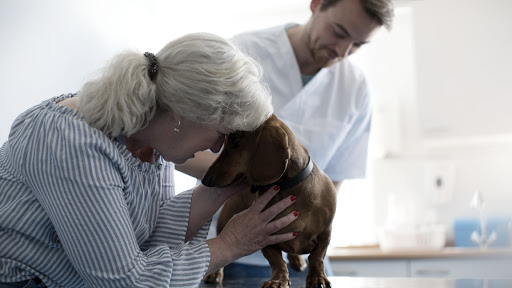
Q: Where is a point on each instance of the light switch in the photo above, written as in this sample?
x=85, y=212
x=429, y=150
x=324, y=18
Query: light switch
x=440, y=177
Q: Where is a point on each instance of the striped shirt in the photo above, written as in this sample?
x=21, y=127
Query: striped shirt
x=168, y=186
x=77, y=210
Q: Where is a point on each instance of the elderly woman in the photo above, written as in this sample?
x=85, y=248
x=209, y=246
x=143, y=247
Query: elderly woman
x=81, y=201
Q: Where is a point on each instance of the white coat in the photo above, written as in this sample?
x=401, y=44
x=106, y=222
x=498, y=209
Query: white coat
x=330, y=115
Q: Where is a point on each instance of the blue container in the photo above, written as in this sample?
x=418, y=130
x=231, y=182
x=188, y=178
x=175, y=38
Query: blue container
x=463, y=228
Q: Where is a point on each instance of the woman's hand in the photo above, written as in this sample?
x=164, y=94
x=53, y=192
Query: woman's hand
x=206, y=201
x=251, y=230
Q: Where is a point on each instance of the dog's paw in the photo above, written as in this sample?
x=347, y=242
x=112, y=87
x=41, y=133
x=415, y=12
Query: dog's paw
x=276, y=284
x=297, y=263
x=318, y=282
x=213, y=278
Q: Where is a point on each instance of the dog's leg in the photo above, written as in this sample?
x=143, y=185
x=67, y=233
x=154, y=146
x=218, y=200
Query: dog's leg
x=297, y=263
x=215, y=277
x=233, y=205
x=316, y=272
x=279, y=277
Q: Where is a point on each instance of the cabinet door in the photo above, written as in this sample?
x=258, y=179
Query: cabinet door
x=370, y=268
x=462, y=268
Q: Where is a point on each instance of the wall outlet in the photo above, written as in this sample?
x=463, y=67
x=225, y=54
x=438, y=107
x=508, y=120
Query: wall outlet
x=440, y=178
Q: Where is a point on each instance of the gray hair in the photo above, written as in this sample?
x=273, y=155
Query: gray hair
x=201, y=76
x=382, y=11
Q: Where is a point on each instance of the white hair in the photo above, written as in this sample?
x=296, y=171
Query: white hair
x=202, y=77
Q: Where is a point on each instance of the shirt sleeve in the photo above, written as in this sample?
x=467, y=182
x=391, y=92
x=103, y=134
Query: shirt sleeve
x=167, y=175
x=190, y=259
x=170, y=229
x=349, y=160
x=74, y=173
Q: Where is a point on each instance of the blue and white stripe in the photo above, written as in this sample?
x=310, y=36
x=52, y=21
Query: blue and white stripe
x=77, y=210
x=168, y=185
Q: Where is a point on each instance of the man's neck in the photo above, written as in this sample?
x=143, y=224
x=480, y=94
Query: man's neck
x=299, y=41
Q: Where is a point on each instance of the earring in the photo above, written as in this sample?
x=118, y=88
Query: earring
x=177, y=128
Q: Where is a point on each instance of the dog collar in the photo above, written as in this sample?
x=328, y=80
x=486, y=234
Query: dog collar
x=283, y=185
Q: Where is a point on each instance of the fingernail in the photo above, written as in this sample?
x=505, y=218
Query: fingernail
x=296, y=213
x=295, y=234
x=293, y=198
x=276, y=187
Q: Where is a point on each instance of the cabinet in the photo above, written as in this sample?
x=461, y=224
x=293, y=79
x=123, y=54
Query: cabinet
x=446, y=263
x=370, y=268
x=462, y=95
x=461, y=268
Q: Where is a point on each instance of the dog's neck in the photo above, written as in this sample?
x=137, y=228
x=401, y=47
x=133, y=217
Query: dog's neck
x=298, y=169
x=298, y=161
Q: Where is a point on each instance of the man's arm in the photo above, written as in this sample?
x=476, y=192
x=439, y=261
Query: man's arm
x=197, y=166
x=337, y=184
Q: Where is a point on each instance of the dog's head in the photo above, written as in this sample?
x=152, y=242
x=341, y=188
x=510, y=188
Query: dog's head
x=259, y=157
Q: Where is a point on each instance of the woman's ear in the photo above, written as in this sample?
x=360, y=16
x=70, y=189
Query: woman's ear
x=175, y=116
x=271, y=157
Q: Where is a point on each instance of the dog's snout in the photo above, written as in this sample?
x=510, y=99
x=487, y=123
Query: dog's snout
x=207, y=180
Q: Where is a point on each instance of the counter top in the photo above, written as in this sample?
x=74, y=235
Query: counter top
x=354, y=282
x=374, y=253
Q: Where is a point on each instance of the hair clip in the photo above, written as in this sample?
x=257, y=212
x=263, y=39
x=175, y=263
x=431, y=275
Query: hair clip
x=152, y=65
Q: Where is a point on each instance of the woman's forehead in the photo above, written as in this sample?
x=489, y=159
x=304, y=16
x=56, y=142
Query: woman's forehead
x=223, y=130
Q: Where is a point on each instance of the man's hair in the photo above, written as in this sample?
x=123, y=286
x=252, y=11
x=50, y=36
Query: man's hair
x=382, y=11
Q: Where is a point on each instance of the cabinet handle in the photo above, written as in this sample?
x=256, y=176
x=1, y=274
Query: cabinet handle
x=432, y=272
x=345, y=273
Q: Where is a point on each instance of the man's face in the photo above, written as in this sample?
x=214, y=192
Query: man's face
x=338, y=31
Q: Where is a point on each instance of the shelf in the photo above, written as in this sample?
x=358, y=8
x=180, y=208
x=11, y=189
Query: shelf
x=374, y=253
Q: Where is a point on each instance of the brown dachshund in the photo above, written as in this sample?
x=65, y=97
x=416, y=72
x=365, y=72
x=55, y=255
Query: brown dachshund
x=271, y=155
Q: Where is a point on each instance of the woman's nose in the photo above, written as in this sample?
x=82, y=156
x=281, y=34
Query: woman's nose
x=218, y=145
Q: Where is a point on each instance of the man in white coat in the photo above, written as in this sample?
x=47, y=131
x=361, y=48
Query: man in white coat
x=319, y=93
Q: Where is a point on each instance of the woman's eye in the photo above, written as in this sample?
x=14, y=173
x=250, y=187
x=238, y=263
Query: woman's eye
x=234, y=142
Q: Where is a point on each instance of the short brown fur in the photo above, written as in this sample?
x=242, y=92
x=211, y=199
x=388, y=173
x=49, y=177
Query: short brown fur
x=264, y=156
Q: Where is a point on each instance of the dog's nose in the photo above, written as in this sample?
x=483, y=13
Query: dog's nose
x=207, y=180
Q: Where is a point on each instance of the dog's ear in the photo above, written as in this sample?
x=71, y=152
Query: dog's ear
x=270, y=159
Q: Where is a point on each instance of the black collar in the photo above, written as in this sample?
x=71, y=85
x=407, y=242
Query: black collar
x=287, y=184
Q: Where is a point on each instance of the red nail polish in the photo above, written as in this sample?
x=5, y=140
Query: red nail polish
x=293, y=198
x=295, y=234
x=276, y=187
x=296, y=213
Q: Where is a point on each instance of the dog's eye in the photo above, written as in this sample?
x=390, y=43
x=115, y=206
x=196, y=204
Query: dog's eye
x=234, y=142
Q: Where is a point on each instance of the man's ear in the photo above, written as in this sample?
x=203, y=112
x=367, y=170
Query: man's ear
x=271, y=157
x=314, y=5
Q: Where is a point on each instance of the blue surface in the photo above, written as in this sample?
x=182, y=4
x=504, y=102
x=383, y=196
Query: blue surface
x=463, y=228
x=362, y=282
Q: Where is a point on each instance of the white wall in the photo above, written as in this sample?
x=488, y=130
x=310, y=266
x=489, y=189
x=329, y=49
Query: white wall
x=51, y=47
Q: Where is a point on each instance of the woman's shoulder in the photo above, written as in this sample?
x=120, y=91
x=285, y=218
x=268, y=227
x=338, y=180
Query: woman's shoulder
x=44, y=110
x=49, y=118
x=51, y=126
x=55, y=129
